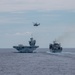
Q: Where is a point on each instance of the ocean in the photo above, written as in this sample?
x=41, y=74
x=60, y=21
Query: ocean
x=41, y=62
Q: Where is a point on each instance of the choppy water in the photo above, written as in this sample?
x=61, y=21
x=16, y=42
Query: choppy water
x=41, y=62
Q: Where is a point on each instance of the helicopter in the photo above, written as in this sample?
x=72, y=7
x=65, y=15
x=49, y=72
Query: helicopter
x=36, y=24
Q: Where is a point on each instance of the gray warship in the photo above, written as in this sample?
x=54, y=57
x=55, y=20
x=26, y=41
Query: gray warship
x=55, y=47
x=27, y=49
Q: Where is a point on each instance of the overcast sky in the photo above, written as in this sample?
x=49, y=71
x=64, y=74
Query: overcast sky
x=56, y=18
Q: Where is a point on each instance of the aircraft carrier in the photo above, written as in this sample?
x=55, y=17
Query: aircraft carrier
x=27, y=49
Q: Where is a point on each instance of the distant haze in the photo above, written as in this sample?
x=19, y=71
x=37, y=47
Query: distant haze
x=56, y=18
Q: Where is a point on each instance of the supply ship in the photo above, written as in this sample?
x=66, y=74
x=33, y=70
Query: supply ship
x=55, y=47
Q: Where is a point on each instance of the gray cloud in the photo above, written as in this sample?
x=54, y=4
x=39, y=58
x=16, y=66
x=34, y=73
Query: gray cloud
x=19, y=34
x=18, y=5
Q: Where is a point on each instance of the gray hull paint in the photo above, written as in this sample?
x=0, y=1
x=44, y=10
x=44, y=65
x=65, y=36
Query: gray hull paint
x=27, y=49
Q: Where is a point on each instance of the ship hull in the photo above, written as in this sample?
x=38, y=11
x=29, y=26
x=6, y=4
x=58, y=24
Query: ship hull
x=56, y=50
x=25, y=49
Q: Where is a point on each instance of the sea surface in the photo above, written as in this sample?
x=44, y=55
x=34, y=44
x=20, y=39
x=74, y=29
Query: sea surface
x=41, y=62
